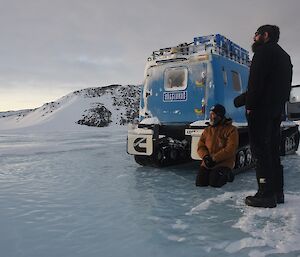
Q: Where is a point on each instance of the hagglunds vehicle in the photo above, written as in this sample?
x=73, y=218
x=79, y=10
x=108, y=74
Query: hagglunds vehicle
x=181, y=84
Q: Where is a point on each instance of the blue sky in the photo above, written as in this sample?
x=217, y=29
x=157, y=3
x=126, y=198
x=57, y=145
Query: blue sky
x=49, y=48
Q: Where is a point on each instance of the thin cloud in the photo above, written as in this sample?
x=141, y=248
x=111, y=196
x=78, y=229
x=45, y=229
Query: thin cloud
x=96, y=42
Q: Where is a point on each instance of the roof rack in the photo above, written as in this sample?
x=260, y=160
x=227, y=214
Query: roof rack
x=215, y=43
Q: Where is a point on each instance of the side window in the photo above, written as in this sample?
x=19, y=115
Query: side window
x=224, y=76
x=236, y=81
x=176, y=78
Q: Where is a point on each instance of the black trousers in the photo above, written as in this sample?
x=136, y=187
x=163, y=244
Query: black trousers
x=264, y=135
x=215, y=177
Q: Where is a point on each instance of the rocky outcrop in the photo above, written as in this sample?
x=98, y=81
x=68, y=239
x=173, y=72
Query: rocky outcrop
x=96, y=117
x=124, y=105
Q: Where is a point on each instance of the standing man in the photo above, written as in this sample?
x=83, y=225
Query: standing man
x=268, y=90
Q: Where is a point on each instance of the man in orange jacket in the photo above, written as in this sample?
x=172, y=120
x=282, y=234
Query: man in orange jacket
x=217, y=148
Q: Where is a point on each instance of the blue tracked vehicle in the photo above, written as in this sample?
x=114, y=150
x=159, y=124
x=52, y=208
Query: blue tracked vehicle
x=181, y=84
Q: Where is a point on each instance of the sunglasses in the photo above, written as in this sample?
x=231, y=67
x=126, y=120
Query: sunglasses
x=257, y=33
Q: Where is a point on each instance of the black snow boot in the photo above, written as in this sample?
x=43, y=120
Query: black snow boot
x=264, y=198
x=259, y=200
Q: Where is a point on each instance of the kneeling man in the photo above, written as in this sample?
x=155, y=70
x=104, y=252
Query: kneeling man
x=217, y=148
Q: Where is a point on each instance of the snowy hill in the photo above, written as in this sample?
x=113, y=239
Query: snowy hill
x=112, y=105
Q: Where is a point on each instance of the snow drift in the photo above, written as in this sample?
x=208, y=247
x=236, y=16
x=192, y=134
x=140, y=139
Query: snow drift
x=112, y=105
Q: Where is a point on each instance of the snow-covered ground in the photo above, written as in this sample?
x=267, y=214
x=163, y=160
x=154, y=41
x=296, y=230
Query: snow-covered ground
x=72, y=190
x=78, y=193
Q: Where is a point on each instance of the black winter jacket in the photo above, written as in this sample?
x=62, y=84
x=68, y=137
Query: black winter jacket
x=270, y=79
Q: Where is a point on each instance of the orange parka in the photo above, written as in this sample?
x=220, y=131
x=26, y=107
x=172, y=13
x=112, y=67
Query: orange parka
x=220, y=142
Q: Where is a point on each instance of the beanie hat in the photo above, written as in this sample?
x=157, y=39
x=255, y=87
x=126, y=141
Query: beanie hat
x=219, y=110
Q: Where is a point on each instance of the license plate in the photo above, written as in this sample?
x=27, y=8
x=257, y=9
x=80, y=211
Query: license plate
x=188, y=132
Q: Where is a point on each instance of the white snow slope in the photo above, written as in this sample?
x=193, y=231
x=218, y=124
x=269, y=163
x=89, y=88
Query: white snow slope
x=100, y=106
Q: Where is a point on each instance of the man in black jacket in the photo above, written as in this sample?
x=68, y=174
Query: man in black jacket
x=269, y=88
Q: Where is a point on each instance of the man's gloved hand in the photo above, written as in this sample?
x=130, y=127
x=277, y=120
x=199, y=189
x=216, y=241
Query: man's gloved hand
x=209, y=162
x=240, y=100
